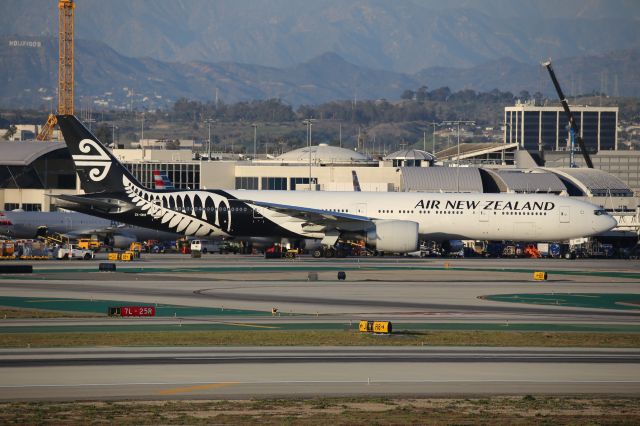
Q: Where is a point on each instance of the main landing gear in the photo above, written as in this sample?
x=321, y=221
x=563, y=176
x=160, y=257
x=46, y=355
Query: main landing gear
x=343, y=249
x=327, y=251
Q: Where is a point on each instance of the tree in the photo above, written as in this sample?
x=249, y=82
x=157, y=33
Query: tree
x=408, y=95
x=539, y=97
x=10, y=132
x=441, y=94
x=104, y=134
x=421, y=94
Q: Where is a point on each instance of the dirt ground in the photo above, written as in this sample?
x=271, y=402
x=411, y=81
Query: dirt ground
x=520, y=410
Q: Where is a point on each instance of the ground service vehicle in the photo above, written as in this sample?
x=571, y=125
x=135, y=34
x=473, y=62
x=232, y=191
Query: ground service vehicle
x=205, y=246
x=88, y=244
x=73, y=252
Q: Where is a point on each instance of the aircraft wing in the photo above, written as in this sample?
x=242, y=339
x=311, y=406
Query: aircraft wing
x=106, y=205
x=325, y=218
x=102, y=231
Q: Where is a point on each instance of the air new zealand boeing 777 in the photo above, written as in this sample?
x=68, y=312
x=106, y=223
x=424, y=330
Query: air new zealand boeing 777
x=387, y=222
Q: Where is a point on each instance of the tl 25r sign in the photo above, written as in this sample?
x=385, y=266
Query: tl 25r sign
x=132, y=311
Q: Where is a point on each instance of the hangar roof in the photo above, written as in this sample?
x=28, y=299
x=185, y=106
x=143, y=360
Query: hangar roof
x=323, y=154
x=595, y=182
x=23, y=153
x=473, y=149
x=436, y=179
x=411, y=154
x=530, y=181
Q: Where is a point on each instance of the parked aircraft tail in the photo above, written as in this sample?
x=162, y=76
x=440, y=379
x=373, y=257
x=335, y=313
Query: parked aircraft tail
x=356, y=182
x=162, y=181
x=99, y=171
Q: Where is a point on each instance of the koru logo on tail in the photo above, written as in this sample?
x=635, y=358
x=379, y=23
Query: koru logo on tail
x=95, y=157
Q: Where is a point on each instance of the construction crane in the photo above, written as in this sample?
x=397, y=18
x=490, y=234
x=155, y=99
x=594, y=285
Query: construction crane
x=574, y=130
x=65, y=66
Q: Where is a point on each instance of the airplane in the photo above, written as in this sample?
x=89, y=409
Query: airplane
x=20, y=224
x=356, y=182
x=386, y=222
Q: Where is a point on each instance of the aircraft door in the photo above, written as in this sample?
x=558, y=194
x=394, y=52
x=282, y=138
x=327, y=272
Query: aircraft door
x=361, y=209
x=564, y=214
x=68, y=223
x=483, y=224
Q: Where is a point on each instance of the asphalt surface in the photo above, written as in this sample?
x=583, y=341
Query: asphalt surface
x=408, y=288
x=417, y=291
x=191, y=373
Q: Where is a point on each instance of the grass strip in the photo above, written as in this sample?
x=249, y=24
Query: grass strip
x=220, y=324
x=514, y=410
x=8, y=313
x=322, y=338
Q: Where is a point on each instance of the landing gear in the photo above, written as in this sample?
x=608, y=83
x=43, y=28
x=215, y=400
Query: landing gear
x=326, y=251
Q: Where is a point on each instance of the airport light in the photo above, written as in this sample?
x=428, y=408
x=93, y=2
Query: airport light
x=309, y=123
x=255, y=139
x=458, y=123
x=113, y=134
x=142, y=136
x=434, y=124
x=209, y=121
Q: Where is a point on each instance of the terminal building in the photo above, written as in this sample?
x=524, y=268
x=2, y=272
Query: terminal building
x=31, y=172
x=543, y=132
x=545, y=128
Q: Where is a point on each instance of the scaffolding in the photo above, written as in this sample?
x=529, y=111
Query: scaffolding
x=65, y=66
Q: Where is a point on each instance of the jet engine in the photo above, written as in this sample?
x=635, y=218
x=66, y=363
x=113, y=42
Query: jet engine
x=119, y=241
x=395, y=236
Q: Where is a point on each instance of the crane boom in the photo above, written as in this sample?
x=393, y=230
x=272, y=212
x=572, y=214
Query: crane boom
x=65, y=66
x=575, y=131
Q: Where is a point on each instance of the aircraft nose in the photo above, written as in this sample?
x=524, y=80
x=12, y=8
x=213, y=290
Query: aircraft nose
x=606, y=223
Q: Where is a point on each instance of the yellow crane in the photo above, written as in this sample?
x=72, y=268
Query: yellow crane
x=65, y=66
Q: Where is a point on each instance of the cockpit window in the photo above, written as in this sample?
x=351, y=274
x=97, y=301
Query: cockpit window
x=600, y=212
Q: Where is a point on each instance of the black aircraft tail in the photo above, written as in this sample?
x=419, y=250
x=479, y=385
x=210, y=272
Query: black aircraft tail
x=99, y=171
x=356, y=182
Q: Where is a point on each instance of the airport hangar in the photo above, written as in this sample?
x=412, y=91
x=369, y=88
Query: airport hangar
x=30, y=172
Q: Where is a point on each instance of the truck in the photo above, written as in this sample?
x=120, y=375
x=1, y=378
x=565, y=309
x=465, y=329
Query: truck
x=549, y=250
x=205, y=246
x=72, y=252
x=88, y=244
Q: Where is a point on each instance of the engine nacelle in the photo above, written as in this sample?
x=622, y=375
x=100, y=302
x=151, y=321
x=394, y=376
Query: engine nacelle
x=120, y=241
x=395, y=236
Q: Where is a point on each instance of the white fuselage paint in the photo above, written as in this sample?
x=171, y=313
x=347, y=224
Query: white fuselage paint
x=442, y=216
x=463, y=216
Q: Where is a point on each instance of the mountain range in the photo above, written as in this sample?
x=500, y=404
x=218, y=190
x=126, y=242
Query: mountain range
x=29, y=72
x=401, y=36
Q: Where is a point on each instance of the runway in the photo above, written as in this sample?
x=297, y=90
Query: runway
x=192, y=373
x=423, y=294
